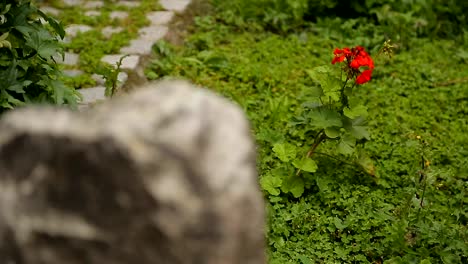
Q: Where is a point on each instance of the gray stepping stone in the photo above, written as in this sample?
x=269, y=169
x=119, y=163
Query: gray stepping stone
x=118, y=15
x=148, y=36
x=160, y=17
x=129, y=3
x=70, y=59
x=122, y=78
x=50, y=10
x=93, y=4
x=128, y=63
x=73, y=2
x=174, y=5
x=73, y=73
x=73, y=29
x=91, y=95
x=108, y=31
x=92, y=13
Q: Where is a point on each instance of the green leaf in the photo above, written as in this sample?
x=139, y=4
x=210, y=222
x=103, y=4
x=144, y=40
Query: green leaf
x=366, y=163
x=271, y=184
x=322, y=118
x=339, y=223
x=329, y=80
x=285, y=151
x=57, y=26
x=294, y=185
x=346, y=144
x=357, y=128
x=332, y=132
x=356, y=111
x=306, y=164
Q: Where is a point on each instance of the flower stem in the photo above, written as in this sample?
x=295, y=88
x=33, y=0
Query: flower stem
x=318, y=139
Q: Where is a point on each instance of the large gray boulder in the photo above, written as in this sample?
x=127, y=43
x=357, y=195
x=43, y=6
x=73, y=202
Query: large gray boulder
x=164, y=175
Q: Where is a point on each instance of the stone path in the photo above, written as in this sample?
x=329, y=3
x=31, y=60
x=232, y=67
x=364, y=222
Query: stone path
x=138, y=48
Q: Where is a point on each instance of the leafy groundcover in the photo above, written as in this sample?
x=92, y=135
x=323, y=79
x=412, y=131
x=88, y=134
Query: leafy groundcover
x=407, y=202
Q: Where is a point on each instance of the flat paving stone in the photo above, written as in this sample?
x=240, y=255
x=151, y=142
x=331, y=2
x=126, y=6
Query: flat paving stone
x=174, y=5
x=93, y=4
x=129, y=3
x=50, y=10
x=73, y=29
x=128, y=63
x=91, y=95
x=118, y=15
x=153, y=33
x=70, y=59
x=160, y=17
x=108, y=31
x=92, y=13
x=122, y=77
x=73, y=73
x=73, y=2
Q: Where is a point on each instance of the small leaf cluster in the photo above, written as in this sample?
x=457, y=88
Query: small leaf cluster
x=28, y=71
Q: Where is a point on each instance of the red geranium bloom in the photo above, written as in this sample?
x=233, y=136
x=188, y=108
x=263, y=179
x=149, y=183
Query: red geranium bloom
x=364, y=77
x=356, y=58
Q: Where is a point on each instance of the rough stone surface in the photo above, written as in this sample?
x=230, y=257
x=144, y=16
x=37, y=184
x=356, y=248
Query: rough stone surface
x=160, y=17
x=94, y=4
x=73, y=73
x=118, y=15
x=129, y=3
x=70, y=59
x=128, y=63
x=92, y=13
x=175, y=5
x=107, y=32
x=92, y=95
x=74, y=29
x=121, y=77
x=163, y=176
x=147, y=37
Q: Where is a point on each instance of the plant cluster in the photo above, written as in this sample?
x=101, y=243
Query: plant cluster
x=399, y=19
x=415, y=208
x=28, y=71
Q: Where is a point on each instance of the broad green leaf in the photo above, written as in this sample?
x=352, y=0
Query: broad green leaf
x=357, y=128
x=346, y=144
x=305, y=260
x=294, y=185
x=271, y=184
x=306, y=164
x=339, y=223
x=366, y=163
x=329, y=80
x=332, y=132
x=356, y=111
x=324, y=118
x=57, y=26
x=285, y=151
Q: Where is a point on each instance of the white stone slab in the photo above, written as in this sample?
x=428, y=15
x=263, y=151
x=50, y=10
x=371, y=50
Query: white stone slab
x=175, y=5
x=160, y=17
x=108, y=31
x=128, y=63
x=70, y=59
x=118, y=15
x=153, y=33
x=73, y=29
x=91, y=95
x=129, y=3
x=93, y=4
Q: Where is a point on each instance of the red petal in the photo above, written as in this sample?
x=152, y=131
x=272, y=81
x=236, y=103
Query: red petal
x=364, y=77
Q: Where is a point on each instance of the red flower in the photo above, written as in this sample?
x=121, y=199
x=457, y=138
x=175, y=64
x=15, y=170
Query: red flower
x=364, y=77
x=356, y=58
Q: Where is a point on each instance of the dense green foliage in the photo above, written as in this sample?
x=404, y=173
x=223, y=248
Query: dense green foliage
x=28, y=72
x=415, y=207
x=401, y=18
